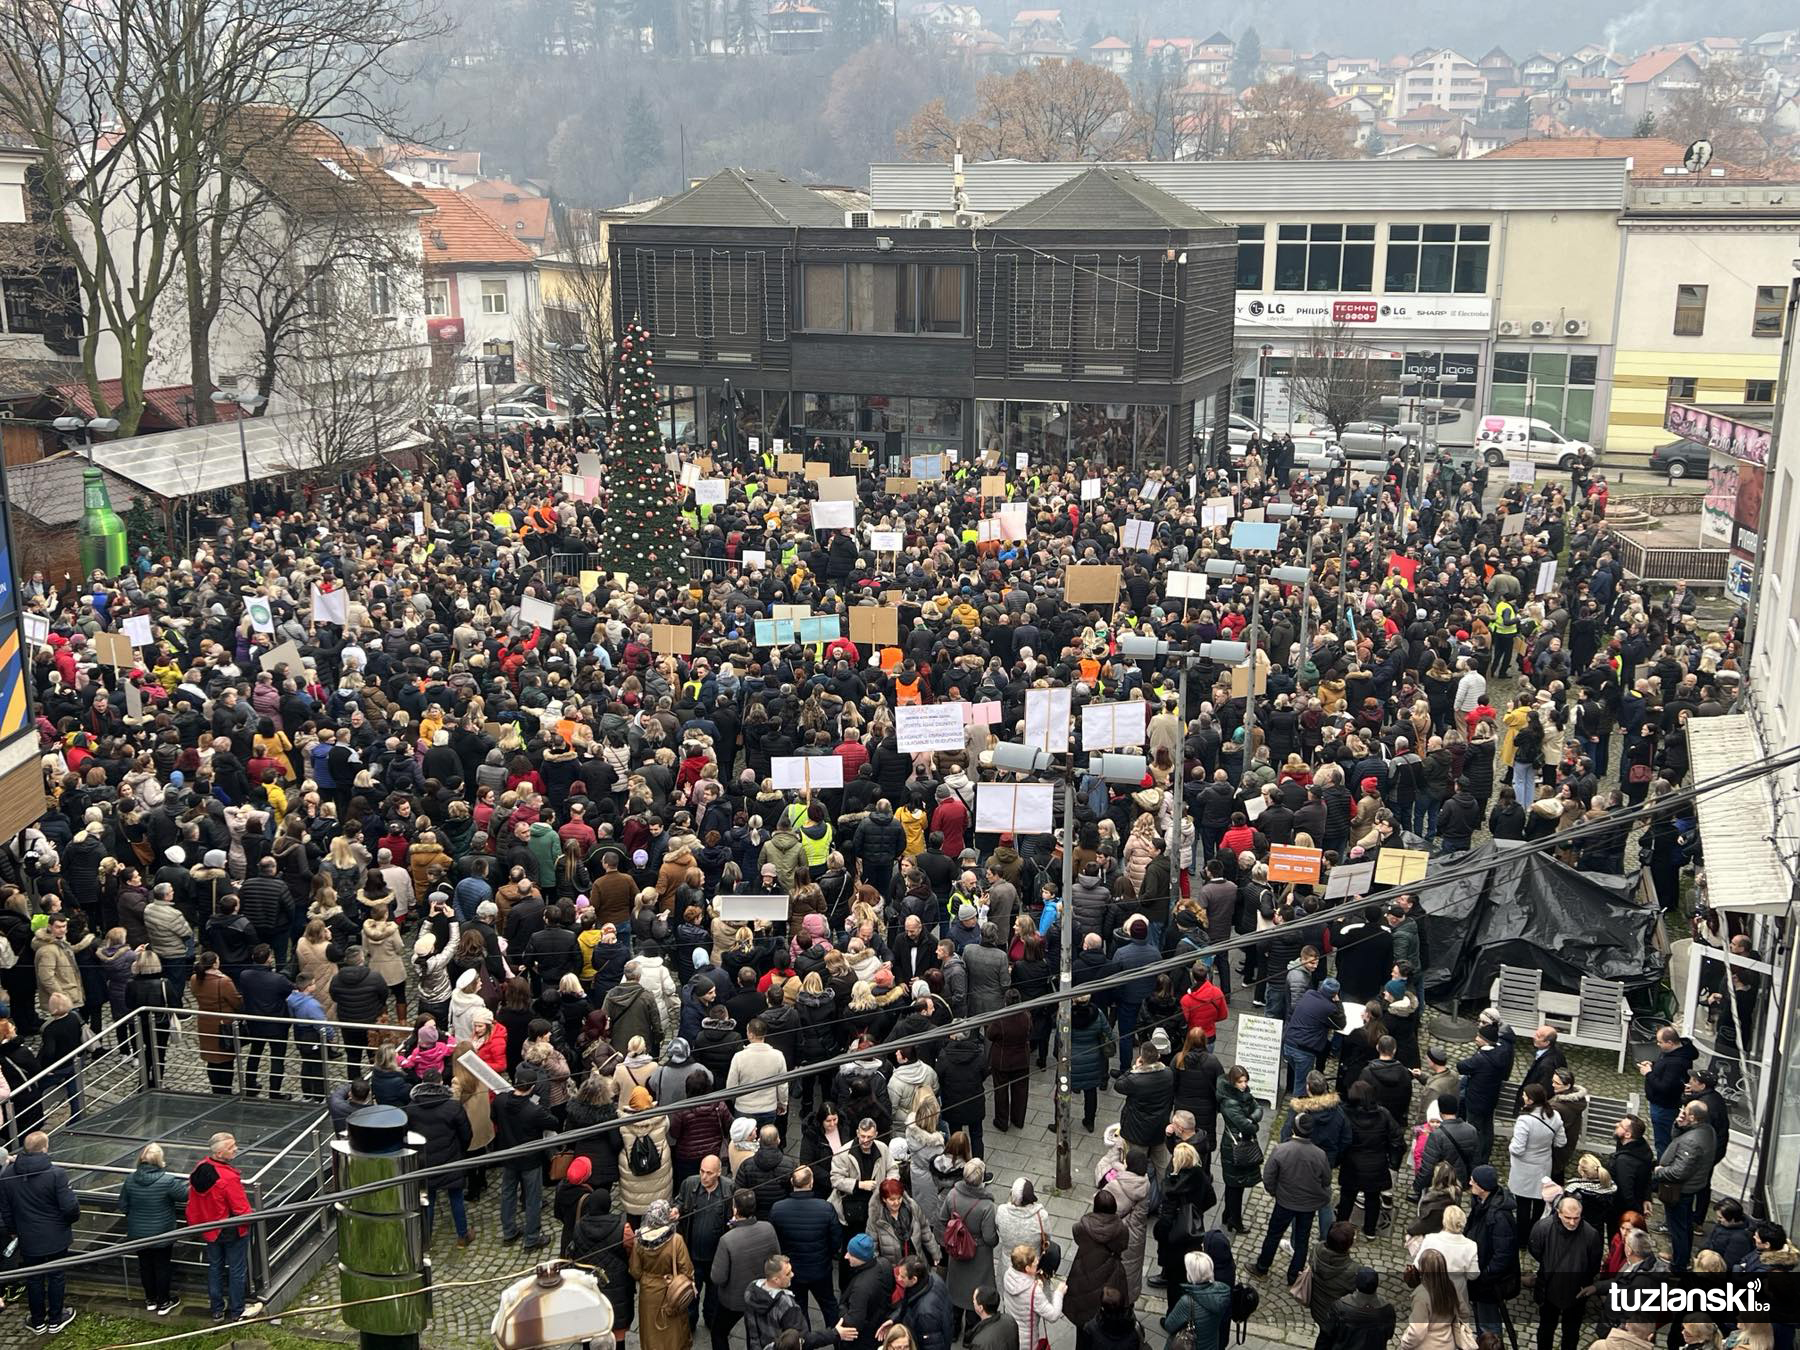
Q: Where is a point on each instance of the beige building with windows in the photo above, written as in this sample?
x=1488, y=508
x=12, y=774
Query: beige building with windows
x=1704, y=278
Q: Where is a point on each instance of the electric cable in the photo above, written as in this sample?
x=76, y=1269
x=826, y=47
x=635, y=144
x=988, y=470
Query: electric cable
x=1455, y=871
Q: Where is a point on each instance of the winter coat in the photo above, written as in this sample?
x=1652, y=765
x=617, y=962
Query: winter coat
x=990, y=972
x=1099, y=1264
x=154, y=1201
x=765, y=1174
x=1688, y=1159
x=637, y=1193
x=1132, y=1193
x=1032, y=1304
x=38, y=1206
x=1297, y=1174
x=1090, y=1048
x=898, y=1236
x=976, y=1209
x=473, y=1096
x=1149, y=1097
x=1535, y=1139
x=632, y=1010
x=1493, y=1226
x=924, y=1310
x=214, y=993
x=433, y=1112
x=1374, y=1138
x=1333, y=1277
x=738, y=1261
x=812, y=1236
x=1241, y=1117
x=1017, y=1226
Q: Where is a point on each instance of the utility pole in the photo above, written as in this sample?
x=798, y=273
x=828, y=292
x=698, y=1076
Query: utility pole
x=1065, y=1028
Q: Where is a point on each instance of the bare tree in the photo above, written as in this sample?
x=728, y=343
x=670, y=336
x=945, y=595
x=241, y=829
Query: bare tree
x=574, y=310
x=1292, y=118
x=150, y=116
x=360, y=385
x=1059, y=110
x=1336, y=380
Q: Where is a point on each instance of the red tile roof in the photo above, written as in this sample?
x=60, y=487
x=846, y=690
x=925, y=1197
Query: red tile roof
x=460, y=233
x=1649, y=67
x=164, y=409
x=525, y=218
x=1649, y=155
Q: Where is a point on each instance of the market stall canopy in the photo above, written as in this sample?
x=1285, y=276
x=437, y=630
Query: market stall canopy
x=1524, y=908
x=1738, y=821
x=193, y=461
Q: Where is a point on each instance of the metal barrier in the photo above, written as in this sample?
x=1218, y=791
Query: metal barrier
x=1696, y=566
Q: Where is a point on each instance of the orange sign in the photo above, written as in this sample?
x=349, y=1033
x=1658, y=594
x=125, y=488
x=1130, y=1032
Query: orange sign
x=1289, y=863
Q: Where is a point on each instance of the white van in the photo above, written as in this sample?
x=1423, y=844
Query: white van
x=1527, y=438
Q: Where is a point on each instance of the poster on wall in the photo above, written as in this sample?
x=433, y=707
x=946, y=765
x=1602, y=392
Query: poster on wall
x=1719, y=507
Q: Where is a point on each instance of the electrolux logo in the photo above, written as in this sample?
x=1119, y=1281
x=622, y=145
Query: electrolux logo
x=1769, y=1295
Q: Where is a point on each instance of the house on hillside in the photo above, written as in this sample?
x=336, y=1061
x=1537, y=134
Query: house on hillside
x=1649, y=83
x=1172, y=52
x=1589, y=90
x=1498, y=68
x=1211, y=59
x=1036, y=25
x=1111, y=53
x=522, y=213
x=796, y=27
x=1538, y=71
x=429, y=166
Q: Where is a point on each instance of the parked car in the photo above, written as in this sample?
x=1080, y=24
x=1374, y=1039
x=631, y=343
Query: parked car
x=507, y=416
x=1528, y=438
x=1315, y=448
x=1678, y=459
x=451, y=416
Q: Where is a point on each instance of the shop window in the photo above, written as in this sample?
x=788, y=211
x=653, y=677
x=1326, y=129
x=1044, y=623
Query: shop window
x=822, y=297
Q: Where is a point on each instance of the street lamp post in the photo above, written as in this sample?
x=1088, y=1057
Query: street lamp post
x=246, y=403
x=560, y=353
x=1262, y=377
x=491, y=363
x=1344, y=516
x=1423, y=414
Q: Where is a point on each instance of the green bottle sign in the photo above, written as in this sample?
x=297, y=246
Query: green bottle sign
x=102, y=537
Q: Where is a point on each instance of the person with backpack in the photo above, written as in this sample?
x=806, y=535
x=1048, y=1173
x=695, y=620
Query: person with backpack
x=647, y=1169
x=1454, y=1141
x=970, y=1236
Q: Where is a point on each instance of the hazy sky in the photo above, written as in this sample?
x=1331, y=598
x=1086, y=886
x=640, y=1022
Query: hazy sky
x=1394, y=25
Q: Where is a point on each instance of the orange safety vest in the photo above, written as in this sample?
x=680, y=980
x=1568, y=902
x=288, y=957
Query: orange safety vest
x=907, y=695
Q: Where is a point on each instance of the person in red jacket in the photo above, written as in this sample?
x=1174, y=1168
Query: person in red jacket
x=215, y=1193
x=1204, y=1006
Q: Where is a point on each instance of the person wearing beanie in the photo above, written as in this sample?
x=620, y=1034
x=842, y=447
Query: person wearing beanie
x=573, y=1195
x=1454, y=1141
x=866, y=1300
x=431, y=1050
x=1493, y=1226
x=1317, y=1016
x=1362, y=1319
x=435, y=1115
x=1135, y=951
x=520, y=1120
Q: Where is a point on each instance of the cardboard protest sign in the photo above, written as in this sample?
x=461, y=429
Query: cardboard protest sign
x=755, y=557
x=331, y=606
x=588, y=465
x=287, y=654
x=860, y=459
x=790, y=463
x=929, y=726
x=777, y=485
x=711, y=492
x=930, y=468
x=1047, y=714
x=672, y=639
x=1091, y=584
x=1512, y=525
x=590, y=581
x=37, y=629
x=874, y=625
x=806, y=773
x=134, y=699
x=902, y=487
x=536, y=612
x=1137, y=534
x=837, y=489
x=1521, y=471
x=1349, y=879
x=1240, y=676
x=1400, y=866
x=815, y=470
x=887, y=541
x=1187, y=585
x=1546, y=577
x=993, y=485
x=1015, y=808
x=1291, y=863
x=790, y=611
x=115, y=649
x=1090, y=489
x=1108, y=726
x=981, y=714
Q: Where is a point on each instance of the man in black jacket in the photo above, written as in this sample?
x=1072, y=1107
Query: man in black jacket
x=435, y=1115
x=1547, y=1058
x=360, y=995
x=1454, y=1141
x=866, y=1303
x=1631, y=1164
x=1149, y=1092
x=265, y=901
x=519, y=1119
x=1493, y=1226
x=811, y=1236
x=704, y=1202
x=229, y=934
x=265, y=990
x=1568, y=1252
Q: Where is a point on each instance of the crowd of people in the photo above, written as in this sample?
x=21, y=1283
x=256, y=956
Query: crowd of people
x=438, y=857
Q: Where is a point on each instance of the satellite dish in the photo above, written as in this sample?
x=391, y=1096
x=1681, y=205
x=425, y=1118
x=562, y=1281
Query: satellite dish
x=1698, y=156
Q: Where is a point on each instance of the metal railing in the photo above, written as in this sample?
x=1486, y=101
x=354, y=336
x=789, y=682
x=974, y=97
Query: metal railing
x=1696, y=566
x=572, y=565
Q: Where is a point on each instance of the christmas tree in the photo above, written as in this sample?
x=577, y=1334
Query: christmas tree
x=641, y=532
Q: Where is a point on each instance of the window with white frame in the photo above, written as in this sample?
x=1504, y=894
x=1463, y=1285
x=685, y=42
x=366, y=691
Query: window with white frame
x=437, y=297
x=381, y=290
x=493, y=297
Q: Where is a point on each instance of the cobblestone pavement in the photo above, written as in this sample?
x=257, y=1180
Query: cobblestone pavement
x=461, y=1315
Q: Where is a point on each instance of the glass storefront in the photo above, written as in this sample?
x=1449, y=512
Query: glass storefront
x=678, y=411
x=1557, y=387
x=1103, y=433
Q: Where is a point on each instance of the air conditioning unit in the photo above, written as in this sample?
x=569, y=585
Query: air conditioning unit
x=856, y=220
x=1508, y=328
x=923, y=220
x=1575, y=328
x=968, y=220
x=1542, y=328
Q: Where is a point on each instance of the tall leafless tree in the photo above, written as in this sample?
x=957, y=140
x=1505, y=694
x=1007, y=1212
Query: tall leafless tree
x=1336, y=380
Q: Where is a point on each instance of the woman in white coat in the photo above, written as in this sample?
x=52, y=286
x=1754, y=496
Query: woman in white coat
x=1461, y=1259
x=1537, y=1134
x=1033, y=1300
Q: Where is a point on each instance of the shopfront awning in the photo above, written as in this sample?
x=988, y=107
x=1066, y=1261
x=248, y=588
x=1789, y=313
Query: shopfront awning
x=193, y=461
x=1744, y=873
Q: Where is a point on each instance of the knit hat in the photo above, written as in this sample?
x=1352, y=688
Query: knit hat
x=862, y=1248
x=428, y=1035
x=1368, y=1279
x=640, y=1099
x=678, y=1051
x=1137, y=928
x=1330, y=987
x=176, y=854
x=1486, y=1178
x=580, y=1169
x=1303, y=1124
x=215, y=857
x=966, y=912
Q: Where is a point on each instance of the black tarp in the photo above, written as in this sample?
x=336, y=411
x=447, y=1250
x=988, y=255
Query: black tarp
x=1525, y=908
